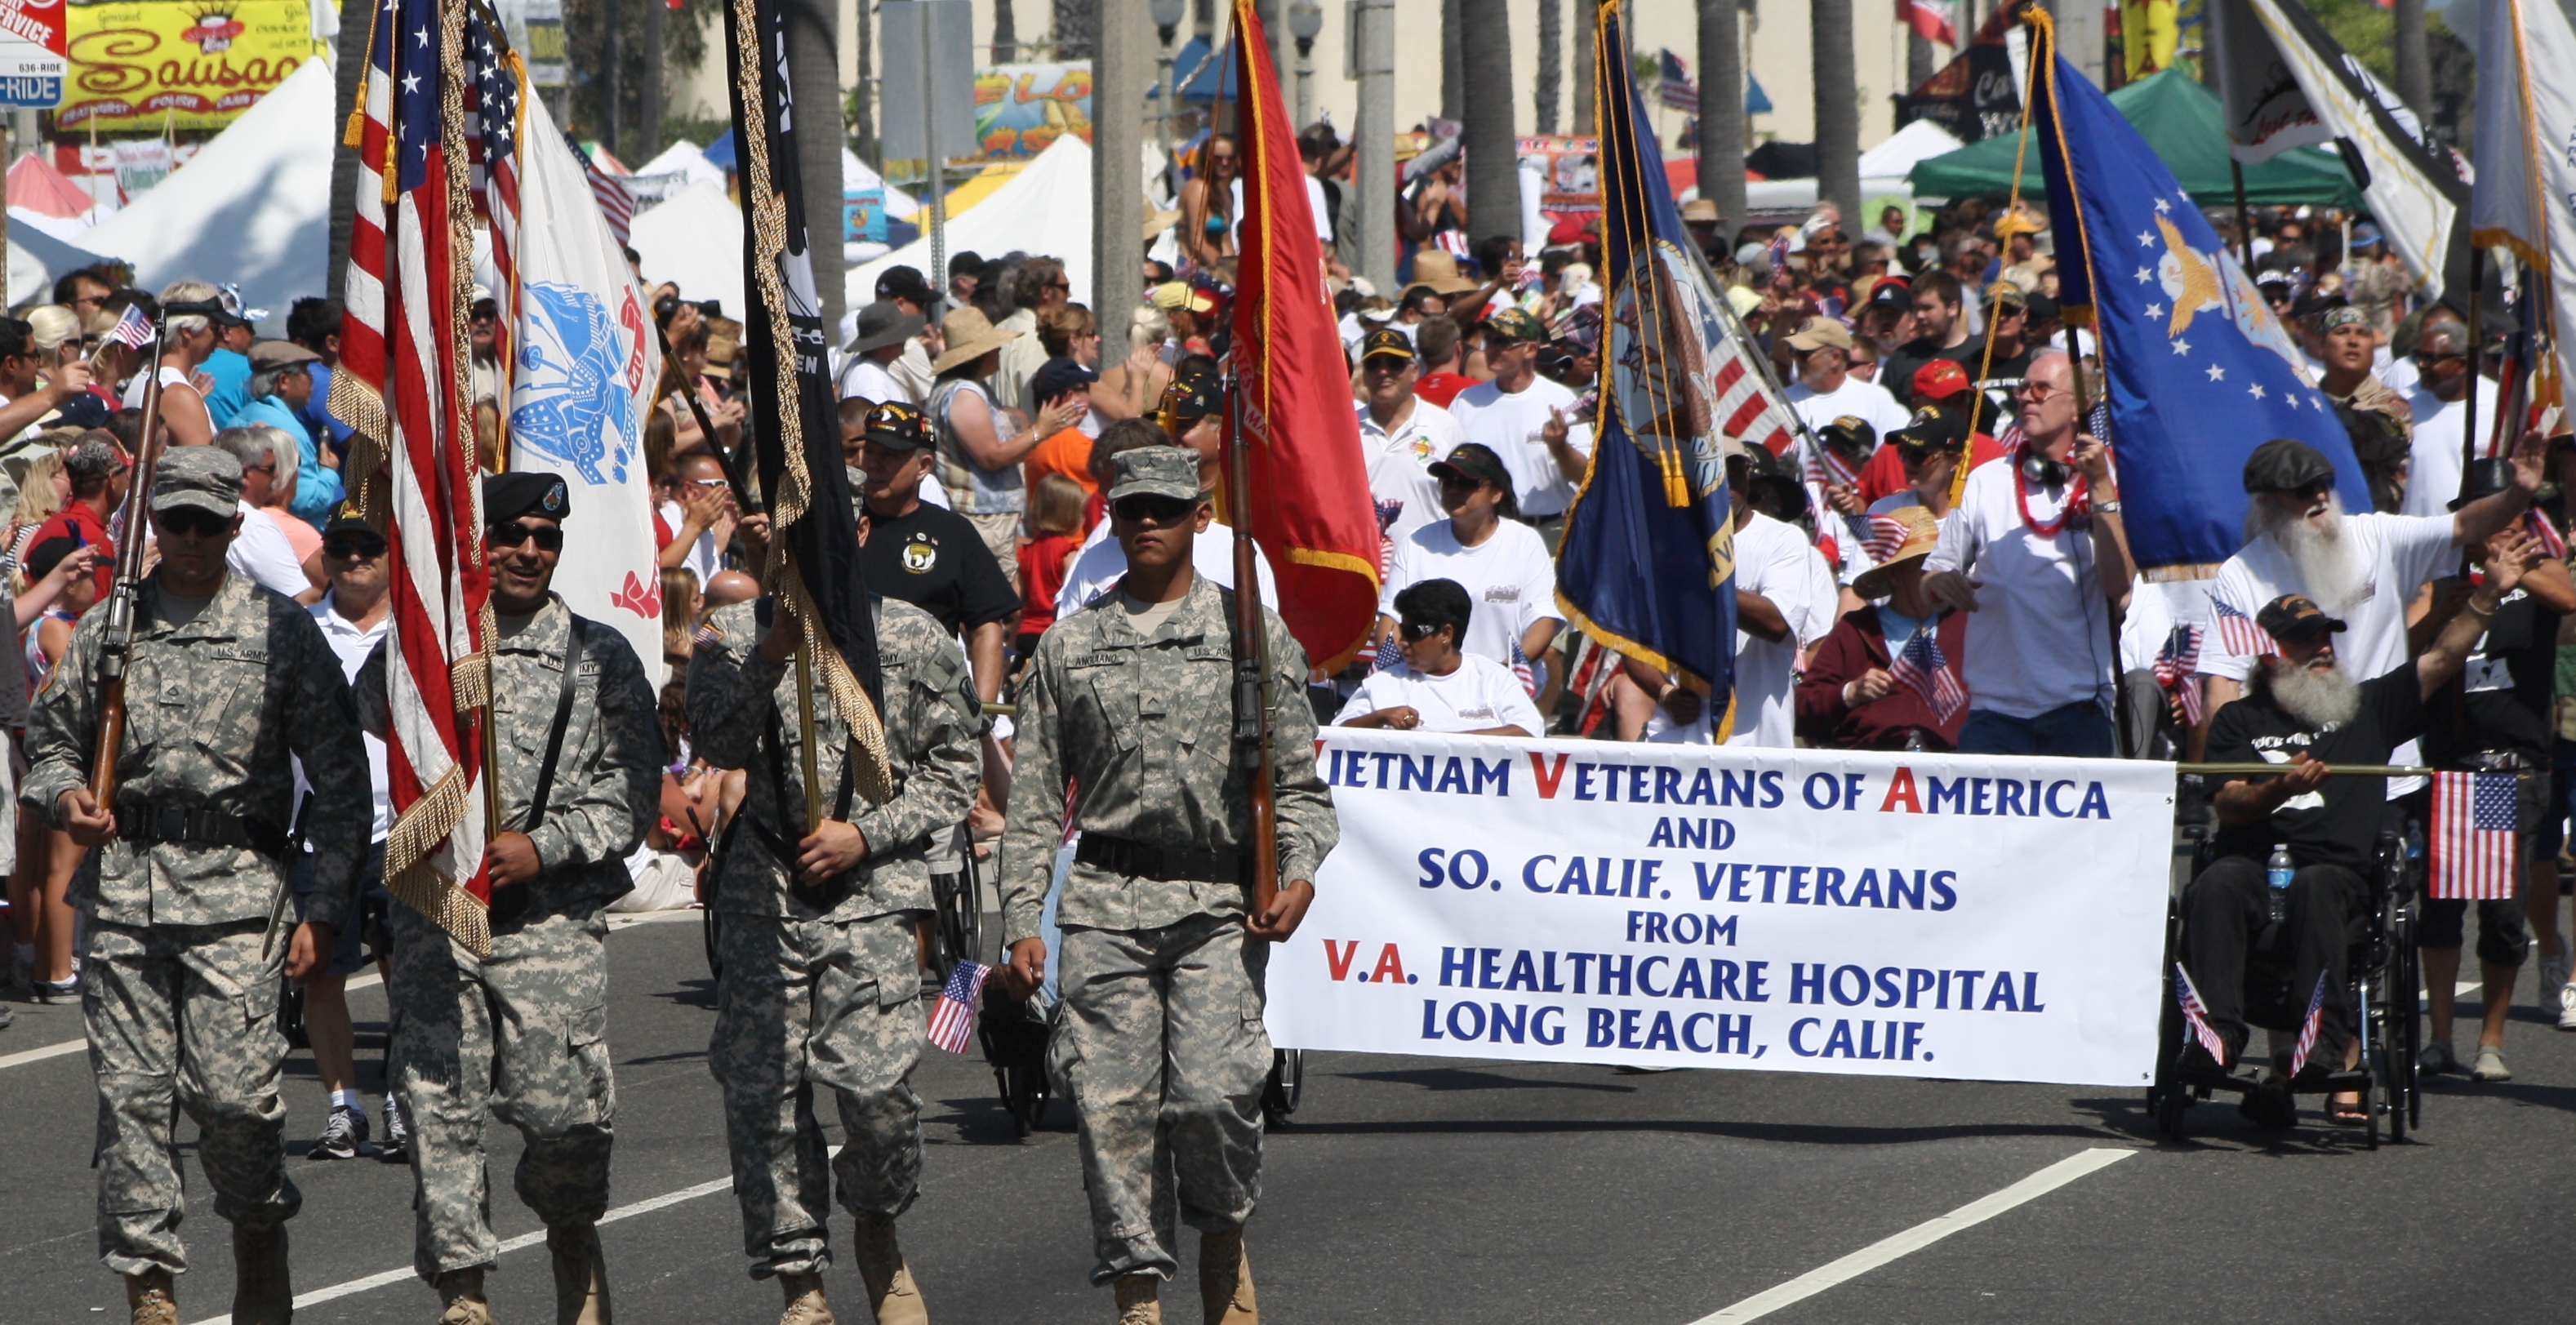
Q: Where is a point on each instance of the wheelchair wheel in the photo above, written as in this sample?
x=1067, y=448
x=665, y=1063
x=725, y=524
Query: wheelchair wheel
x=2405, y=994
x=707, y=924
x=2167, y=1098
x=1286, y=1088
x=1024, y=1095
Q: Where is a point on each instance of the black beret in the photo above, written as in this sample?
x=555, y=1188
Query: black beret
x=521, y=492
x=2285, y=465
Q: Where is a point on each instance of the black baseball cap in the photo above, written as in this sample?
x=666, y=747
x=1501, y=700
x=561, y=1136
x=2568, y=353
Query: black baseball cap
x=1193, y=397
x=1850, y=434
x=2286, y=465
x=1058, y=376
x=897, y=426
x=1387, y=343
x=2293, y=617
x=1932, y=429
x=1474, y=461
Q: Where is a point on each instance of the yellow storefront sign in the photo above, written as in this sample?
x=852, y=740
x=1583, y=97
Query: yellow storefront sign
x=184, y=64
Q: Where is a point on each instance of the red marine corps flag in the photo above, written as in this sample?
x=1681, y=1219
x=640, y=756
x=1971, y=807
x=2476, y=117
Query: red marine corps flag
x=406, y=385
x=1292, y=393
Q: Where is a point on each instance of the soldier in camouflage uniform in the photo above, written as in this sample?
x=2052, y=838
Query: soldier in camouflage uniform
x=821, y=981
x=1159, y=1041
x=180, y=979
x=522, y=1032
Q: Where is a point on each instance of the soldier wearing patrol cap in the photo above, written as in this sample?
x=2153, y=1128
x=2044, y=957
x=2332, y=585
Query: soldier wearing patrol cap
x=521, y=1031
x=1159, y=1043
x=820, y=980
x=225, y=680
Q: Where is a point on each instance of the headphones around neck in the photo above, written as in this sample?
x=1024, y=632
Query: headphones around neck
x=2039, y=469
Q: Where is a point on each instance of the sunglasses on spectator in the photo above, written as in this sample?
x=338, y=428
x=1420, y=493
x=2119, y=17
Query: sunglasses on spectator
x=1415, y=632
x=1148, y=508
x=549, y=538
x=192, y=522
x=353, y=549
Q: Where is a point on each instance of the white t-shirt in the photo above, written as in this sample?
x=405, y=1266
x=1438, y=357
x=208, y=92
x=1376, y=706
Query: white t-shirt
x=1480, y=694
x=2398, y=375
x=1314, y=203
x=1864, y=400
x=1774, y=560
x=2040, y=638
x=1508, y=577
x=2433, y=464
x=1097, y=568
x=869, y=381
x=1399, y=461
x=1509, y=424
x=260, y=551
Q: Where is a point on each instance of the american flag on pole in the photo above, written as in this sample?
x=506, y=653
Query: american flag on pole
x=406, y=385
x=2175, y=663
x=616, y=201
x=1935, y=20
x=1673, y=85
x=2238, y=634
x=2474, y=850
x=1925, y=670
x=952, y=1019
x=2195, y=1018
x=133, y=330
x=2309, y=1027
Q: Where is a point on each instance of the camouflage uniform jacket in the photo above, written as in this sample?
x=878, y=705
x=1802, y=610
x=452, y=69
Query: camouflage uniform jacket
x=608, y=778
x=1142, y=726
x=932, y=722
x=212, y=710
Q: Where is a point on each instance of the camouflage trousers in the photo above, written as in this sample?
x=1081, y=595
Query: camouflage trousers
x=522, y=1034
x=184, y=1017
x=802, y=1004
x=1160, y=1046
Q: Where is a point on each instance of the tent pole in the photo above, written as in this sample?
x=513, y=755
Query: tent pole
x=2244, y=228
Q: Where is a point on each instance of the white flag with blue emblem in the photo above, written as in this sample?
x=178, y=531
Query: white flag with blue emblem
x=583, y=366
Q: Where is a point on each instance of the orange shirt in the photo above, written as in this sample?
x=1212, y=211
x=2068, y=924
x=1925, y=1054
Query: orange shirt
x=1067, y=453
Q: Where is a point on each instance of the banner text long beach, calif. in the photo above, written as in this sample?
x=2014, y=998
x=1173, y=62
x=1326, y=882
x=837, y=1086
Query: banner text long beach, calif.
x=1915, y=915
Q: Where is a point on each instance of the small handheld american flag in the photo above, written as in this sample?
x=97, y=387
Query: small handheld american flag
x=2309, y=1027
x=2175, y=663
x=1529, y=674
x=133, y=330
x=952, y=1021
x=2474, y=850
x=1923, y=669
x=2238, y=634
x=2195, y=1018
x=1389, y=654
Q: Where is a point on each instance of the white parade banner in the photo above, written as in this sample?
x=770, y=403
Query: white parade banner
x=1910, y=914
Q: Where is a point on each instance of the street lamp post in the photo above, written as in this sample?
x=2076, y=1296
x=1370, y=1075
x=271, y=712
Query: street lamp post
x=1167, y=23
x=1305, y=23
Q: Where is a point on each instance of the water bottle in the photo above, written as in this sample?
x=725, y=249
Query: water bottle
x=2277, y=873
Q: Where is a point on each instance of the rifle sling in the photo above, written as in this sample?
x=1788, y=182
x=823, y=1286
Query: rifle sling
x=508, y=905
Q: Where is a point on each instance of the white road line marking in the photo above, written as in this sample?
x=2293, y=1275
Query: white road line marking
x=1916, y=1238
x=356, y=982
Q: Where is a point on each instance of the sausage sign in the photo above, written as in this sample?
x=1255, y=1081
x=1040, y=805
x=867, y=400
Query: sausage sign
x=1918, y=915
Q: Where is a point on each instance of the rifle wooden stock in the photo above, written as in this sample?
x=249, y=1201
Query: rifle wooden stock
x=1251, y=646
x=118, y=644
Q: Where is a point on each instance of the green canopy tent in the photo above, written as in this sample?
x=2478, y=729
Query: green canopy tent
x=2182, y=121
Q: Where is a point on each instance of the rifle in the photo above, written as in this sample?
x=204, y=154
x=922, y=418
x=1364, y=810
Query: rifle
x=116, y=647
x=734, y=465
x=1251, y=647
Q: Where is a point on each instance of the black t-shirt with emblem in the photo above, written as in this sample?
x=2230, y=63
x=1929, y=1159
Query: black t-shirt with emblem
x=934, y=560
x=2505, y=695
x=2339, y=824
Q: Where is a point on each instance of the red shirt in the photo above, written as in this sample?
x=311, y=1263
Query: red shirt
x=1042, y=566
x=86, y=529
x=1441, y=388
x=1884, y=475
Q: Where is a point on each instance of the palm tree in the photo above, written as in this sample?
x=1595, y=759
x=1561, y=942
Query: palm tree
x=813, y=72
x=1837, y=108
x=1721, y=109
x=1551, y=60
x=1006, y=33
x=1586, y=21
x=2414, y=57
x=1493, y=167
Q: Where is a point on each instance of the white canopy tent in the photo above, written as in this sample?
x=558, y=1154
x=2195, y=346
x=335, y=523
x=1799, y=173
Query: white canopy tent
x=1918, y=141
x=252, y=207
x=855, y=176
x=1043, y=209
x=695, y=241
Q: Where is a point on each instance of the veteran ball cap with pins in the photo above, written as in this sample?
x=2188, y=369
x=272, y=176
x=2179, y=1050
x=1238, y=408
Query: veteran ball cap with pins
x=523, y=492
x=2294, y=617
x=199, y=476
x=1155, y=471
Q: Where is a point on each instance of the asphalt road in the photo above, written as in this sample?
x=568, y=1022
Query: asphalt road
x=1449, y=1190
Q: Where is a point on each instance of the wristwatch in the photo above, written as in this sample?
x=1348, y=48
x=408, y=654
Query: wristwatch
x=2111, y=507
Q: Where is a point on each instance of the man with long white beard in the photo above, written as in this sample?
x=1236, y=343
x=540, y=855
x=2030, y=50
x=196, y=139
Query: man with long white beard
x=2305, y=712
x=2362, y=568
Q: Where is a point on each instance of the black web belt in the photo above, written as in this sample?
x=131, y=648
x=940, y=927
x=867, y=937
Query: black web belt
x=1162, y=864
x=147, y=823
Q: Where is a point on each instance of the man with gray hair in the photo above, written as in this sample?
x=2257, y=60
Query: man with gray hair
x=2443, y=423
x=280, y=390
x=1037, y=285
x=261, y=551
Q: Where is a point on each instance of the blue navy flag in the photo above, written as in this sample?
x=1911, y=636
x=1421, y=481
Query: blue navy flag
x=1648, y=562
x=2200, y=372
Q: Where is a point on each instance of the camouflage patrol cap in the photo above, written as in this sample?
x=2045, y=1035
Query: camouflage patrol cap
x=1157, y=471
x=199, y=476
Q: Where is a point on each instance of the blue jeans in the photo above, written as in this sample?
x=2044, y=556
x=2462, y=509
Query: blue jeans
x=2078, y=730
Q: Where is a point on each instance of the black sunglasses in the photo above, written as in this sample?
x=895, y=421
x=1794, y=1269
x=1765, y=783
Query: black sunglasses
x=193, y=522
x=549, y=537
x=1417, y=631
x=362, y=549
x=1148, y=508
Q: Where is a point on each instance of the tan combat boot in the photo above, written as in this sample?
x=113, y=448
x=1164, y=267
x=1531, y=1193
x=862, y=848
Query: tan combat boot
x=891, y=1293
x=1136, y=1300
x=1225, y=1280
x=147, y=1296
x=805, y=1304
x=460, y=1298
x=262, y=1292
x=581, y=1275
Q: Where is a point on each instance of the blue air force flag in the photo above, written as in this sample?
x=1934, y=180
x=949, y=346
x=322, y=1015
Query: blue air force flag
x=1648, y=561
x=583, y=366
x=2200, y=372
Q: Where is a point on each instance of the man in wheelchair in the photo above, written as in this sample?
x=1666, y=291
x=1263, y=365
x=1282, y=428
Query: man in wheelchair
x=2257, y=957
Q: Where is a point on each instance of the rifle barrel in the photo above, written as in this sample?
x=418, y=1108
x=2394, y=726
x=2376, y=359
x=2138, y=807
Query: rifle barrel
x=128, y=588
x=1251, y=667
